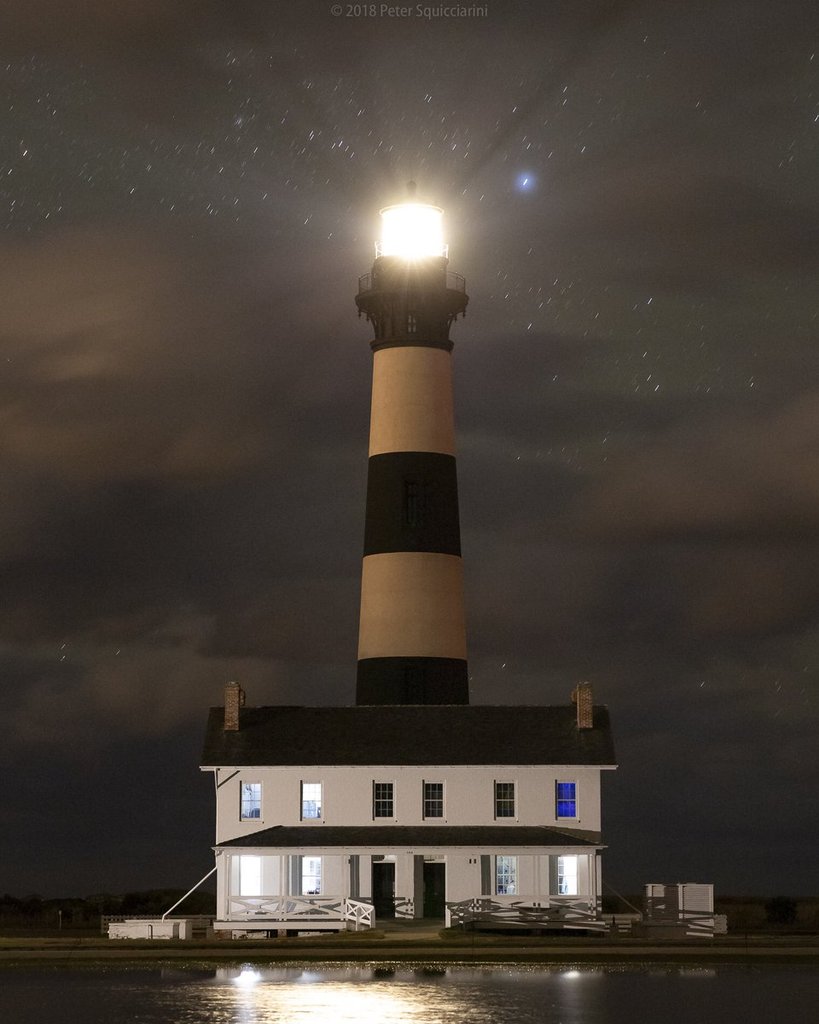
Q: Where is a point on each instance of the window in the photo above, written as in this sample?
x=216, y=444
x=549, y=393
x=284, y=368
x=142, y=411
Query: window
x=506, y=875
x=565, y=799
x=504, y=799
x=311, y=876
x=310, y=800
x=383, y=803
x=251, y=800
x=414, y=503
x=250, y=875
x=412, y=324
x=567, y=876
x=433, y=799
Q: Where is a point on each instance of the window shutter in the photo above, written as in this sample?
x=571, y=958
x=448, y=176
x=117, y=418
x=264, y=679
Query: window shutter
x=487, y=888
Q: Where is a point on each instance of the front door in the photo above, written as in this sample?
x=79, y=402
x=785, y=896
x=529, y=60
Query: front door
x=384, y=888
x=434, y=890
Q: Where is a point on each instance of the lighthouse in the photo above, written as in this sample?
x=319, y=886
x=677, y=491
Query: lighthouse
x=412, y=630
x=413, y=803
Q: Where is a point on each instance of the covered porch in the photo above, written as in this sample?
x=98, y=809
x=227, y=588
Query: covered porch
x=274, y=881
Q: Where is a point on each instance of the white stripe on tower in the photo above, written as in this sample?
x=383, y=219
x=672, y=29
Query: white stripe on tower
x=412, y=605
x=411, y=407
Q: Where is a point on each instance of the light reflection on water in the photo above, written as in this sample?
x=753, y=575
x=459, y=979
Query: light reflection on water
x=374, y=995
x=405, y=995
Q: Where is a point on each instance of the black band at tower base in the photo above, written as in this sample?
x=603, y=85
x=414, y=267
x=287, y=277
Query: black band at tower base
x=412, y=681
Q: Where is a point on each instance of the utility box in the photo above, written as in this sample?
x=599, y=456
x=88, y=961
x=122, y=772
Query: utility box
x=150, y=928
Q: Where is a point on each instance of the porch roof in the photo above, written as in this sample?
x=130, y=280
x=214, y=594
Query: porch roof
x=493, y=837
x=408, y=735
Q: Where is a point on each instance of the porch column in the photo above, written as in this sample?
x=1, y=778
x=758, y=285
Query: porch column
x=598, y=881
x=222, y=884
x=405, y=885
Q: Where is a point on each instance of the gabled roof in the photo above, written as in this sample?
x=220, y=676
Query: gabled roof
x=495, y=837
x=408, y=735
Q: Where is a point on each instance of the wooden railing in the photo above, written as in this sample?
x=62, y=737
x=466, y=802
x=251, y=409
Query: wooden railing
x=663, y=910
x=686, y=922
x=298, y=909
x=527, y=912
x=698, y=922
x=404, y=907
x=361, y=915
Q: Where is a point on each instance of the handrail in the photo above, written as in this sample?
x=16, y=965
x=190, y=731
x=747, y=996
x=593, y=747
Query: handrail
x=454, y=282
x=192, y=889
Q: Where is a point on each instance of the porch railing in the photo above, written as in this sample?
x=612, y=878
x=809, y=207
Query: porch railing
x=297, y=909
x=687, y=922
x=527, y=912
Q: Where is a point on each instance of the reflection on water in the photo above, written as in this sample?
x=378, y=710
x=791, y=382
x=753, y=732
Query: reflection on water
x=381, y=995
x=401, y=994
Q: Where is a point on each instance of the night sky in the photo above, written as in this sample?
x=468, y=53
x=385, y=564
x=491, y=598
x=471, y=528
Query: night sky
x=188, y=193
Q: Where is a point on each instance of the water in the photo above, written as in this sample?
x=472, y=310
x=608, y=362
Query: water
x=494, y=995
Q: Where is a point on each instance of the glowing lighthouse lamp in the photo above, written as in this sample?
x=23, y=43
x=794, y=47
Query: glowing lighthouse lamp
x=411, y=231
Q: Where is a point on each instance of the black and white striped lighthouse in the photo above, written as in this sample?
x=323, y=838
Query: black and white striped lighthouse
x=412, y=635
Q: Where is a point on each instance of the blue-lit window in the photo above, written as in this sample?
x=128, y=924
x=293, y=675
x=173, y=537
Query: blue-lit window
x=565, y=799
x=251, y=801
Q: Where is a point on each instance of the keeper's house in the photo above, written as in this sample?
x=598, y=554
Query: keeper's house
x=336, y=817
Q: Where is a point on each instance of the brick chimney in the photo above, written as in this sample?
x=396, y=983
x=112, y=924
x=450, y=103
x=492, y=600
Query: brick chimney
x=582, y=697
x=234, y=699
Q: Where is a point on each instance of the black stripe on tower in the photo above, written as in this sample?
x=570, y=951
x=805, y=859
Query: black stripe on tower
x=412, y=681
x=412, y=504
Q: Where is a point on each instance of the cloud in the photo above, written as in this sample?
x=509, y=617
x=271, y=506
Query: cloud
x=747, y=474
x=80, y=692
x=114, y=361
x=165, y=447
x=85, y=22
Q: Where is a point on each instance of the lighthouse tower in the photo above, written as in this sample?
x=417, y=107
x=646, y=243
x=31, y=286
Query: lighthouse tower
x=412, y=634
